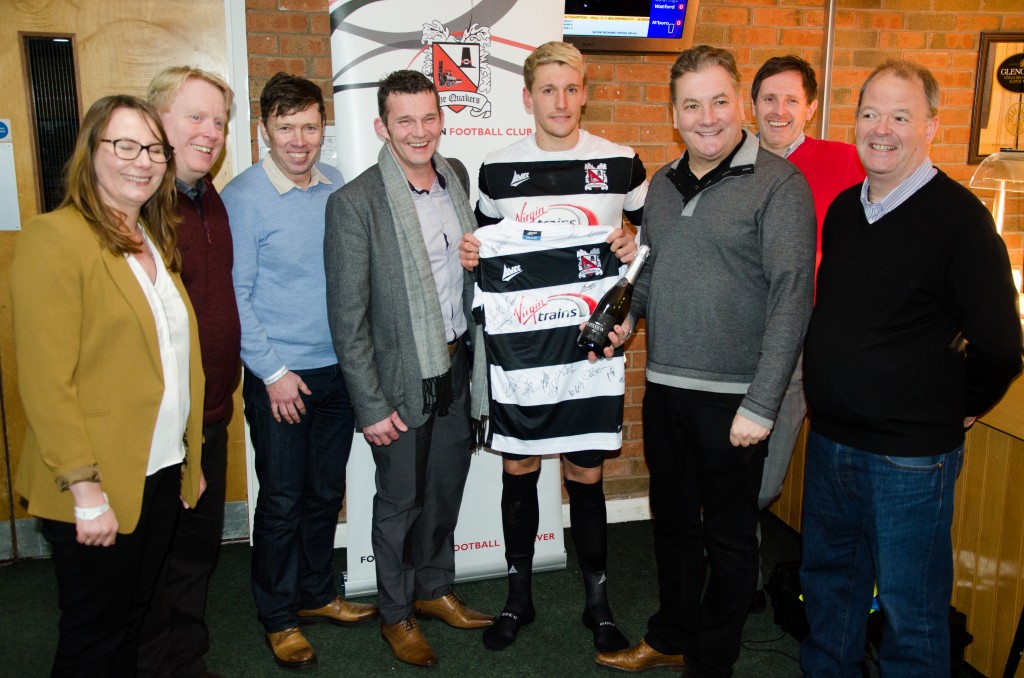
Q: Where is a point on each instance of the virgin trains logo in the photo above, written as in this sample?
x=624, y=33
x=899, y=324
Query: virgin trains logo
x=555, y=310
x=561, y=213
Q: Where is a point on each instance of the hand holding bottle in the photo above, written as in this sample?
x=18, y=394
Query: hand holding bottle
x=616, y=338
x=612, y=310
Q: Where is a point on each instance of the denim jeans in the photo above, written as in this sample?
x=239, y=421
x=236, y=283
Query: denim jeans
x=870, y=518
x=301, y=469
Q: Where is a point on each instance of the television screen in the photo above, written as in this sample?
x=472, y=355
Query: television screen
x=630, y=25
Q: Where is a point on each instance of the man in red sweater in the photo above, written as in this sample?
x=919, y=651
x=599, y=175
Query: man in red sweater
x=785, y=92
x=193, y=106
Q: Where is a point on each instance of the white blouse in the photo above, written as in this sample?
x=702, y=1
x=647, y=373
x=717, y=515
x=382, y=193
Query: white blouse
x=171, y=317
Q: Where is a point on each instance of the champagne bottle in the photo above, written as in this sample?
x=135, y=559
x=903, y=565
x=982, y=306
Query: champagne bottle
x=612, y=308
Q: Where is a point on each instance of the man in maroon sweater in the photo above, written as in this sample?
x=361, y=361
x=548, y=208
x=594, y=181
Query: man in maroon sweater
x=193, y=106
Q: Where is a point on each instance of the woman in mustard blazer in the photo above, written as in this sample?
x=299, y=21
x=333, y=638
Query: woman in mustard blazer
x=111, y=380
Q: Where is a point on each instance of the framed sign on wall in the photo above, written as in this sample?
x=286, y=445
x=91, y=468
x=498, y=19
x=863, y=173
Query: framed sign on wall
x=998, y=120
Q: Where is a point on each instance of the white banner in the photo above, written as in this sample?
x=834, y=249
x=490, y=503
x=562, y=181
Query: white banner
x=473, y=51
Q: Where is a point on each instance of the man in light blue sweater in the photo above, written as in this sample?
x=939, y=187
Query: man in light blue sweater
x=296, y=401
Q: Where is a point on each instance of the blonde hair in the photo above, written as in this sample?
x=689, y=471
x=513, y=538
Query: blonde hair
x=168, y=82
x=160, y=212
x=553, y=53
x=909, y=71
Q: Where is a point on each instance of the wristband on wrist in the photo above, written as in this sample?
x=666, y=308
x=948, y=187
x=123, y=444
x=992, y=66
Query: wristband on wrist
x=93, y=512
x=276, y=376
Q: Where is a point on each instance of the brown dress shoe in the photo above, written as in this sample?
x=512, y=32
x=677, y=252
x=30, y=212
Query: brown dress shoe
x=453, y=611
x=339, y=611
x=291, y=649
x=640, y=658
x=407, y=642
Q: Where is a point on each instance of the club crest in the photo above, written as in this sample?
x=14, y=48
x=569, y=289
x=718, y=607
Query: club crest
x=458, y=66
x=589, y=262
x=596, y=176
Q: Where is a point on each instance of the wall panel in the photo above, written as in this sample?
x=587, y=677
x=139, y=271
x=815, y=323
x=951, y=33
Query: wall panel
x=120, y=45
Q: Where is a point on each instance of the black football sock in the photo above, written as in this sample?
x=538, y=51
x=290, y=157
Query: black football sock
x=520, y=517
x=589, y=517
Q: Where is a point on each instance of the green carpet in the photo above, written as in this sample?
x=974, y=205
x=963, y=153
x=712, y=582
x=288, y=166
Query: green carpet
x=557, y=644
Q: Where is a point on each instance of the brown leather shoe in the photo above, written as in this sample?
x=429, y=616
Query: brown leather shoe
x=453, y=611
x=407, y=642
x=291, y=649
x=339, y=611
x=640, y=658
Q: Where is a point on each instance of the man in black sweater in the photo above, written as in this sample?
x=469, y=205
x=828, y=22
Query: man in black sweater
x=915, y=333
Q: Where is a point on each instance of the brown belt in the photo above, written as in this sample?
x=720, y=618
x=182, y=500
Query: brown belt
x=453, y=346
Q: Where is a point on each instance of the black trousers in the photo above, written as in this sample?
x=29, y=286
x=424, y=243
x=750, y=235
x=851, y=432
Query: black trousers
x=104, y=592
x=174, y=636
x=703, y=496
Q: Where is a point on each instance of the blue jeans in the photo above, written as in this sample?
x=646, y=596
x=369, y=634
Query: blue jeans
x=301, y=469
x=871, y=518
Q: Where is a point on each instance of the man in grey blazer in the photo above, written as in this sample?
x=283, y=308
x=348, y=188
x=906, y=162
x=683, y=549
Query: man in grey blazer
x=398, y=305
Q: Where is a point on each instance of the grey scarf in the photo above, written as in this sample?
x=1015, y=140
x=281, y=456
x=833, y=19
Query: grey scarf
x=424, y=309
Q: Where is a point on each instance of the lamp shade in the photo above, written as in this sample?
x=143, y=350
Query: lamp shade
x=1003, y=170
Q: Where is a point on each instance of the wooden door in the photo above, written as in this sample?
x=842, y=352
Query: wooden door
x=119, y=46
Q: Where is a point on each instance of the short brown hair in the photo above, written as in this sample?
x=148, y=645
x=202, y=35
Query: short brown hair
x=168, y=82
x=286, y=94
x=701, y=58
x=160, y=212
x=402, y=82
x=784, y=64
x=907, y=70
x=553, y=52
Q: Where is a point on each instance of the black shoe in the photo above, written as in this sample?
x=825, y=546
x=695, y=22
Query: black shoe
x=607, y=637
x=505, y=629
x=758, y=603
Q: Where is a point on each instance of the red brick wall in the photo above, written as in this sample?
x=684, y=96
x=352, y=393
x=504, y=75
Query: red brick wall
x=627, y=92
x=291, y=36
x=628, y=95
x=628, y=98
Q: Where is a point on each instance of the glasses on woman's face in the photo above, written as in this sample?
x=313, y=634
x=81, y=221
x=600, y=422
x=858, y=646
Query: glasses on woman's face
x=129, y=149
